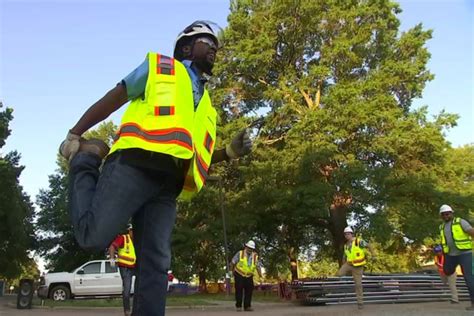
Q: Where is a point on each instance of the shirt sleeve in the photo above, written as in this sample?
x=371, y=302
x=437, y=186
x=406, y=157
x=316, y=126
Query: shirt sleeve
x=118, y=242
x=259, y=263
x=135, y=82
x=236, y=258
x=465, y=225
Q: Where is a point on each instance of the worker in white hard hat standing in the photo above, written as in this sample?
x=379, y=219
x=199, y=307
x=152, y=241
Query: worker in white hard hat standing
x=244, y=264
x=354, y=260
x=456, y=240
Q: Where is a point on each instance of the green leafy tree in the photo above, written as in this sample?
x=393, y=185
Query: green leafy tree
x=28, y=270
x=335, y=81
x=197, y=243
x=55, y=234
x=16, y=210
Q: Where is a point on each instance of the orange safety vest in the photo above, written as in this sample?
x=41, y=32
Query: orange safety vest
x=439, y=262
x=126, y=254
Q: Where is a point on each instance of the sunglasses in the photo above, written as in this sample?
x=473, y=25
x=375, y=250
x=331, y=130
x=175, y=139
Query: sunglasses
x=445, y=213
x=206, y=40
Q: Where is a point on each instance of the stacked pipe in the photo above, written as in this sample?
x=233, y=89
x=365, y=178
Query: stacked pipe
x=388, y=288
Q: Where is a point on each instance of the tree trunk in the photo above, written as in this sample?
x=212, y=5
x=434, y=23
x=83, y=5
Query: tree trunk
x=202, y=282
x=293, y=257
x=341, y=202
x=337, y=223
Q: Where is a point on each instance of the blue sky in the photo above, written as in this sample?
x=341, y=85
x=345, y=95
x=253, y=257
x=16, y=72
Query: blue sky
x=58, y=57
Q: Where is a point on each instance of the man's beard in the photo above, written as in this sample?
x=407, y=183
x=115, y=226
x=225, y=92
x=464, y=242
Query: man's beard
x=204, y=65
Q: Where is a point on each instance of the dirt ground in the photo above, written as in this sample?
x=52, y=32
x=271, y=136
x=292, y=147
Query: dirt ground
x=7, y=308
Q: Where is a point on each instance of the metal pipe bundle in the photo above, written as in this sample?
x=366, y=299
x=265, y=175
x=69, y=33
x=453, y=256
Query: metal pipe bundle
x=383, y=288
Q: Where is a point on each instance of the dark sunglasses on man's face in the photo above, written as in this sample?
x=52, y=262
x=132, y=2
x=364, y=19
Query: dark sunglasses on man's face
x=207, y=41
x=445, y=214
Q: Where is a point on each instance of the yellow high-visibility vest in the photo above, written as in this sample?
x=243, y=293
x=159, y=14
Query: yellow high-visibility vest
x=462, y=240
x=126, y=254
x=243, y=267
x=355, y=255
x=165, y=121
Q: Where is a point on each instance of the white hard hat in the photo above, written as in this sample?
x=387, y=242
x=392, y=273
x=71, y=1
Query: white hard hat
x=348, y=229
x=445, y=208
x=196, y=28
x=250, y=244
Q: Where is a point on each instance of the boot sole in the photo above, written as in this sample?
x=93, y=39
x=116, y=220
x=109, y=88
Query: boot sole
x=94, y=146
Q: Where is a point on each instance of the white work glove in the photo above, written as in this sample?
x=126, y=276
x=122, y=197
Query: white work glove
x=241, y=145
x=112, y=263
x=70, y=146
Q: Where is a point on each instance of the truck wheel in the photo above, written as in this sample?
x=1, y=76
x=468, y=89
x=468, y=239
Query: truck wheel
x=60, y=293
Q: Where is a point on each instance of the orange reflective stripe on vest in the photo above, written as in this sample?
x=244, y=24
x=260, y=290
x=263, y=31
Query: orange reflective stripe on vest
x=208, y=142
x=202, y=168
x=164, y=65
x=178, y=136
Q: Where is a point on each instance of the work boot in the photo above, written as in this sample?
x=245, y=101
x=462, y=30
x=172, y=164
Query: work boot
x=95, y=146
x=248, y=309
x=454, y=302
x=127, y=313
x=239, y=309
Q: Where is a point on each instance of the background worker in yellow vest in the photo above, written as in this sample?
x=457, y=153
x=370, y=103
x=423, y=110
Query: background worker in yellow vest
x=450, y=280
x=244, y=264
x=354, y=260
x=123, y=244
x=163, y=149
x=456, y=239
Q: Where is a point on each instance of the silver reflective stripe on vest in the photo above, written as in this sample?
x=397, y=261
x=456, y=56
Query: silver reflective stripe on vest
x=201, y=168
x=158, y=136
x=208, y=141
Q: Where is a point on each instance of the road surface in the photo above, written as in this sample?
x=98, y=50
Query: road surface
x=7, y=308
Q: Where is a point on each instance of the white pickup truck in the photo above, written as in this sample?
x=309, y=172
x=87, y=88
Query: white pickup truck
x=94, y=278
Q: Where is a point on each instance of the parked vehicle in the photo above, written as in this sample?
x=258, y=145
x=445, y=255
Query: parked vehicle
x=94, y=278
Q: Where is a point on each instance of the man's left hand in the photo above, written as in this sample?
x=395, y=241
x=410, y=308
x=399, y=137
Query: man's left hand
x=241, y=145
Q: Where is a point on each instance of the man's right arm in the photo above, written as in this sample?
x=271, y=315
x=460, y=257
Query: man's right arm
x=112, y=252
x=234, y=261
x=100, y=110
x=131, y=87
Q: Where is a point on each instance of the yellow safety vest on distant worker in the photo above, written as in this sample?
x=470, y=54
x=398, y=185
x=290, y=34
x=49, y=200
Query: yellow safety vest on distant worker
x=356, y=255
x=461, y=239
x=126, y=254
x=243, y=267
x=165, y=121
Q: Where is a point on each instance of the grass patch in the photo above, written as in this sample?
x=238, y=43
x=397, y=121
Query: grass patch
x=103, y=302
x=191, y=300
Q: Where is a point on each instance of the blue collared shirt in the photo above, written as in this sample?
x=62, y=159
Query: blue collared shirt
x=135, y=82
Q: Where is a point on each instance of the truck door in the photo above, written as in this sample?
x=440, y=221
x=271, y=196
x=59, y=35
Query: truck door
x=88, y=279
x=112, y=282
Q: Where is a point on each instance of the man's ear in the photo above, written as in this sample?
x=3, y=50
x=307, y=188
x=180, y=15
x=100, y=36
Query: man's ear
x=186, y=50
